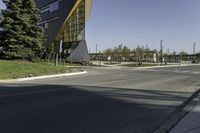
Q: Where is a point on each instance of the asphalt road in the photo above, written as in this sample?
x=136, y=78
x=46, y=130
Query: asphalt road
x=103, y=101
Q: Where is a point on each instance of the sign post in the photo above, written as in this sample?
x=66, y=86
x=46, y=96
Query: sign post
x=60, y=50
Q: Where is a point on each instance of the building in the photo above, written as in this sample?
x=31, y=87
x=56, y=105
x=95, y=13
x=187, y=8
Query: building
x=0, y=28
x=1, y=15
x=135, y=56
x=64, y=24
x=0, y=12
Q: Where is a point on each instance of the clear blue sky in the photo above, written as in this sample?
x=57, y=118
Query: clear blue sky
x=141, y=22
x=133, y=22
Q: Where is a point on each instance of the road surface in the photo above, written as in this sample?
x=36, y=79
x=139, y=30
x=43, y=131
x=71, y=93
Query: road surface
x=103, y=101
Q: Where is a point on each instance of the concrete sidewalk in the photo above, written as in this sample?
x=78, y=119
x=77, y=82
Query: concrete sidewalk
x=191, y=122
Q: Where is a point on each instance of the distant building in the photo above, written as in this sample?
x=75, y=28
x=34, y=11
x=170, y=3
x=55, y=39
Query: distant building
x=149, y=56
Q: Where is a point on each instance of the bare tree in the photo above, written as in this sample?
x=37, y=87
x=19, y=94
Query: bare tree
x=140, y=54
x=126, y=52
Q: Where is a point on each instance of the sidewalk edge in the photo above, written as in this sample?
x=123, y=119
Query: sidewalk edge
x=43, y=77
x=178, y=114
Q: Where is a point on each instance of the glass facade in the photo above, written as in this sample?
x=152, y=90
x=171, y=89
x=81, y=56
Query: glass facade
x=75, y=27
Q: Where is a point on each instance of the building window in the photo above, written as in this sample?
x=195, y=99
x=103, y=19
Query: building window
x=46, y=25
x=51, y=7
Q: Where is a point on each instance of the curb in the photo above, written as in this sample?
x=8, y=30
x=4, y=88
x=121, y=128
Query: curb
x=178, y=114
x=161, y=66
x=44, y=77
x=168, y=66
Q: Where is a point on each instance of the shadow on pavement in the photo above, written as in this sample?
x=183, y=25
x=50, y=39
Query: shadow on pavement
x=82, y=109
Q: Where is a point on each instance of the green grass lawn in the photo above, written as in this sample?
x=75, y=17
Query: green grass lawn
x=136, y=65
x=21, y=69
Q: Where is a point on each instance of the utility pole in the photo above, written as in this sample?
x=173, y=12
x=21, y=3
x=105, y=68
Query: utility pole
x=60, y=50
x=89, y=50
x=96, y=51
x=194, y=48
x=161, y=51
x=168, y=51
x=146, y=47
x=147, y=53
x=168, y=57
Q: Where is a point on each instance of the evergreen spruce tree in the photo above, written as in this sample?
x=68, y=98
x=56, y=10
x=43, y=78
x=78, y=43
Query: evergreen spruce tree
x=22, y=36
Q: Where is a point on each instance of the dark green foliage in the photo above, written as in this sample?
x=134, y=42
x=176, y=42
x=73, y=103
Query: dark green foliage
x=22, y=37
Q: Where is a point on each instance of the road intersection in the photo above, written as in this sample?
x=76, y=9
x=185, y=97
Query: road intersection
x=101, y=101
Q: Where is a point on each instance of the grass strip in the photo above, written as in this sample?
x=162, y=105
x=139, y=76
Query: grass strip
x=22, y=69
